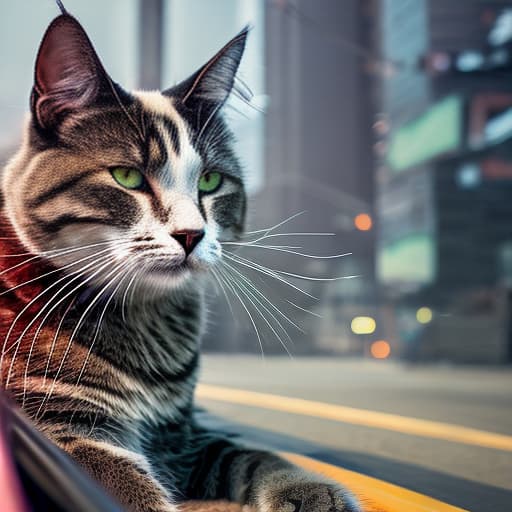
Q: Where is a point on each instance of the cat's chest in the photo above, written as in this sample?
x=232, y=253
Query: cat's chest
x=142, y=366
x=155, y=367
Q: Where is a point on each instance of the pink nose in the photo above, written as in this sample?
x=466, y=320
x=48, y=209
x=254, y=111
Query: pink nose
x=188, y=238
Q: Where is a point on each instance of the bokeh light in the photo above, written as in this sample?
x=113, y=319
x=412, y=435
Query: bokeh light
x=424, y=315
x=380, y=349
x=363, y=325
x=363, y=222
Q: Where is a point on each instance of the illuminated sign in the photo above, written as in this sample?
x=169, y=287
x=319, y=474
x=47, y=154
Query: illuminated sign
x=496, y=169
x=499, y=127
x=501, y=32
x=471, y=174
x=437, y=131
x=408, y=260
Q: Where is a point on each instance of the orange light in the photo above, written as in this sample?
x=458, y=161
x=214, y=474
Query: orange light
x=380, y=349
x=363, y=222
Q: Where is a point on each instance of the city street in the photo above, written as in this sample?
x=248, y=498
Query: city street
x=454, y=456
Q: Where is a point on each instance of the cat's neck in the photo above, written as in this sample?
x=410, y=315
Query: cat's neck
x=151, y=339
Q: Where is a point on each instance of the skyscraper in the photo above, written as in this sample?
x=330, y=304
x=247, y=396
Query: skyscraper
x=443, y=180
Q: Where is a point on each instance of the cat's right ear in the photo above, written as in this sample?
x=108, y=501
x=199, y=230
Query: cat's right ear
x=68, y=73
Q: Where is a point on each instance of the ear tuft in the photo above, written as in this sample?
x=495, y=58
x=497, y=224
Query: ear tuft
x=68, y=72
x=61, y=7
x=215, y=81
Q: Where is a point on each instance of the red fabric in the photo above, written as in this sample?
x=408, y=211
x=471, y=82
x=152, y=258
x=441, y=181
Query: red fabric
x=17, y=266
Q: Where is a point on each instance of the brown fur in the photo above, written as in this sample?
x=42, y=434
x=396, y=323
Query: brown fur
x=121, y=475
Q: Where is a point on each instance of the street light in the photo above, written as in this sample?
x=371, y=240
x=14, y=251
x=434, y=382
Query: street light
x=363, y=222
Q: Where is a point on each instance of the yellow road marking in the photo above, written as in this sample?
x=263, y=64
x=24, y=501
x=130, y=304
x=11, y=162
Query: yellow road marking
x=374, y=495
x=393, y=422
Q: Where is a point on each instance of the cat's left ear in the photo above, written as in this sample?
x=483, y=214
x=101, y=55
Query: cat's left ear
x=68, y=74
x=213, y=82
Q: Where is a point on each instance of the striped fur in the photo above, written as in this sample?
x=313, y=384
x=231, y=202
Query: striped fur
x=101, y=308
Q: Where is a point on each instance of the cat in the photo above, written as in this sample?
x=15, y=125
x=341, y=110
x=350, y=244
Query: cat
x=112, y=214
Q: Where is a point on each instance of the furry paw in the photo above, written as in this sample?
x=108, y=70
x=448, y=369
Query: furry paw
x=301, y=494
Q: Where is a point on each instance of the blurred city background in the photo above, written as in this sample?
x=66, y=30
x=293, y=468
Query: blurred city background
x=385, y=122
x=380, y=130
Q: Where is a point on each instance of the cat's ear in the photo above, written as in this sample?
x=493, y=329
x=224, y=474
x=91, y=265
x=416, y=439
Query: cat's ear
x=213, y=82
x=68, y=73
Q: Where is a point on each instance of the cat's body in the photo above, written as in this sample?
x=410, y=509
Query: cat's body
x=101, y=312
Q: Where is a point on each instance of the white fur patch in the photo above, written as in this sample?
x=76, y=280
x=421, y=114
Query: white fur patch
x=185, y=166
x=156, y=102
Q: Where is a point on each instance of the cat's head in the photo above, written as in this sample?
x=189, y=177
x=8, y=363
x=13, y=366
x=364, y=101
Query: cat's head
x=146, y=180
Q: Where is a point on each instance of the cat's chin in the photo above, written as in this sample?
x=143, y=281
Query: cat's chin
x=161, y=282
x=163, y=278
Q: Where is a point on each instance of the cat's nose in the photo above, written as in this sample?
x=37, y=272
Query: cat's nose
x=188, y=238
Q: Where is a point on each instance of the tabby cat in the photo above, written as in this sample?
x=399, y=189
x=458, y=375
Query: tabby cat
x=113, y=210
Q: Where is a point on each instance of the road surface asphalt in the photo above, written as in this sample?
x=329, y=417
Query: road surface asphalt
x=472, y=475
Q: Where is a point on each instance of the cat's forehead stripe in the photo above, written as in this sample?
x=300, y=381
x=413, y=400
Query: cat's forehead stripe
x=162, y=109
x=162, y=106
x=183, y=160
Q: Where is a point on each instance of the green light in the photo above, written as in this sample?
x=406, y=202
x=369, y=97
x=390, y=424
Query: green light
x=408, y=260
x=437, y=131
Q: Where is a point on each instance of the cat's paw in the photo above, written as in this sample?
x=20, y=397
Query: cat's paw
x=300, y=494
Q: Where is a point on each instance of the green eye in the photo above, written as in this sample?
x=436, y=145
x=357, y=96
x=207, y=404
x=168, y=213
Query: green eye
x=209, y=182
x=127, y=177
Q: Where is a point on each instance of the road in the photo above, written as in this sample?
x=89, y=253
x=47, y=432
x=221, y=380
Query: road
x=361, y=415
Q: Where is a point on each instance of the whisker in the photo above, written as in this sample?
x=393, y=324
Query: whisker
x=36, y=335
x=250, y=283
x=19, y=265
x=54, y=271
x=76, y=273
x=291, y=274
x=135, y=283
x=96, y=333
x=303, y=309
x=298, y=233
x=210, y=117
x=281, y=249
x=17, y=343
x=73, y=334
x=249, y=244
x=62, y=254
x=18, y=255
x=249, y=287
x=264, y=270
x=280, y=246
x=268, y=230
x=225, y=293
x=324, y=279
x=234, y=292
x=247, y=295
x=123, y=302
x=54, y=340
x=32, y=346
x=51, y=252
